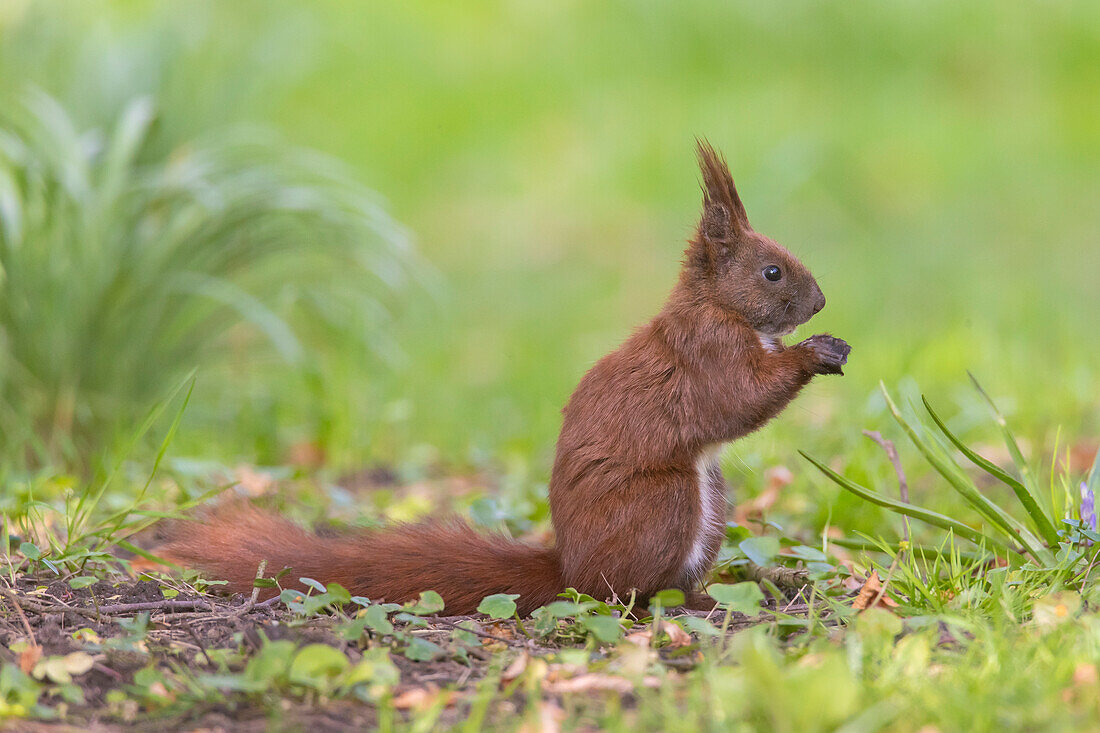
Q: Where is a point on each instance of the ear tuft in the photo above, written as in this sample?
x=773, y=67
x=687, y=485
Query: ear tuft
x=720, y=199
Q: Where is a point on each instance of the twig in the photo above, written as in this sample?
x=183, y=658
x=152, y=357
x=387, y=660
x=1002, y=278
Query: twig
x=166, y=605
x=48, y=608
x=892, y=454
x=22, y=616
x=793, y=579
x=251, y=602
x=106, y=670
x=202, y=648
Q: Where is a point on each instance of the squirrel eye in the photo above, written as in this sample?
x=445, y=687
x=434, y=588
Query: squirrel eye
x=773, y=273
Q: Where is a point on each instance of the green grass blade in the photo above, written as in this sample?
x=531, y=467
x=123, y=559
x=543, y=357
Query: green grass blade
x=129, y=135
x=190, y=382
x=892, y=548
x=149, y=517
x=910, y=510
x=1031, y=506
x=88, y=501
x=1010, y=440
x=963, y=485
x=144, y=553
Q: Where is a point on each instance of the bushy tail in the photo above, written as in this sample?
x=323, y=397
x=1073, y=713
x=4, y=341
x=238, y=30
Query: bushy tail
x=392, y=564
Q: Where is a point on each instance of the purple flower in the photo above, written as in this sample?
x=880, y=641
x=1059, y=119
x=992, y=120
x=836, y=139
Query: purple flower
x=1088, y=506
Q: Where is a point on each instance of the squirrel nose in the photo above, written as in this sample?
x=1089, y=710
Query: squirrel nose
x=819, y=304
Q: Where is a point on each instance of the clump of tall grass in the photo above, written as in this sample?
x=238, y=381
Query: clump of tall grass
x=1058, y=531
x=121, y=270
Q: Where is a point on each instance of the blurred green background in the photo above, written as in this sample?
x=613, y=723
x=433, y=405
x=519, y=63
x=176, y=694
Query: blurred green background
x=936, y=164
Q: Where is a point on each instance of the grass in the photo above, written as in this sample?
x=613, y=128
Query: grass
x=120, y=272
x=952, y=638
x=935, y=167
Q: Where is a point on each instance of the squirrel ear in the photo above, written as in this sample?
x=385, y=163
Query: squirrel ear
x=715, y=224
x=723, y=212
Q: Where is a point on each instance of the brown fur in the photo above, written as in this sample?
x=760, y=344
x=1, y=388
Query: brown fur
x=625, y=496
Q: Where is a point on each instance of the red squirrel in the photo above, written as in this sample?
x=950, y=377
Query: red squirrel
x=637, y=499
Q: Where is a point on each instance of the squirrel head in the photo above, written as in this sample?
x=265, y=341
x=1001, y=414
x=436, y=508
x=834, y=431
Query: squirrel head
x=740, y=270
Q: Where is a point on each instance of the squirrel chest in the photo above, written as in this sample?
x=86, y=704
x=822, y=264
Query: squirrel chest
x=713, y=502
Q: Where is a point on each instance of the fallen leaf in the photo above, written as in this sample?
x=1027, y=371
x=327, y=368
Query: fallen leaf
x=593, y=682
x=872, y=593
x=852, y=582
x=677, y=637
x=29, y=657
x=503, y=630
x=777, y=478
x=419, y=698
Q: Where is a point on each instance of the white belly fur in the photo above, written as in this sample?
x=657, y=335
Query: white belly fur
x=712, y=510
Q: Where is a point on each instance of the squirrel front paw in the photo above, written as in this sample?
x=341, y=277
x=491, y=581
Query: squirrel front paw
x=829, y=353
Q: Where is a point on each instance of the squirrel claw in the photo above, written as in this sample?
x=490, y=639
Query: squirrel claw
x=830, y=353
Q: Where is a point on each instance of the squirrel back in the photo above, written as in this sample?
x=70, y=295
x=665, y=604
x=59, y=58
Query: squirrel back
x=637, y=499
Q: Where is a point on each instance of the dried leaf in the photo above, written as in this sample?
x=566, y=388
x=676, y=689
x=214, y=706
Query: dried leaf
x=677, y=637
x=872, y=593
x=593, y=682
x=777, y=478
x=418, y=698
x=29, y=657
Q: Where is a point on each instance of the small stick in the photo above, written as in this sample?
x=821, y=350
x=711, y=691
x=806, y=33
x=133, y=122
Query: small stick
x=166, y=605
x=22, y=616
x=198, y=641
x=44, y=608
x=793, y=579
x=251, y=602
x=256, y=589
x=106, y=670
